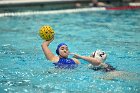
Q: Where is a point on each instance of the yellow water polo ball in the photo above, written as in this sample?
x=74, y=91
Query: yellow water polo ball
x=46, y=33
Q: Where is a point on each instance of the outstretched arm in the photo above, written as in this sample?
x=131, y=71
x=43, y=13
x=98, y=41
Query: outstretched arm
x=91, y=60
x=49, y=55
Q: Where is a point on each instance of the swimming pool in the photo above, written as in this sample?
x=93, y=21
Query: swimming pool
x=24, y=68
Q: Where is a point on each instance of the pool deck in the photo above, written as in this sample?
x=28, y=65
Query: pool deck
x=6, y=2
x=20, y=2
x=22, y=5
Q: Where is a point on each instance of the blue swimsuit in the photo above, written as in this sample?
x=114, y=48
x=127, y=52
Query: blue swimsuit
x=66, y=63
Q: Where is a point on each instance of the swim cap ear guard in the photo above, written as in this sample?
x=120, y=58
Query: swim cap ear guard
x=57, y=50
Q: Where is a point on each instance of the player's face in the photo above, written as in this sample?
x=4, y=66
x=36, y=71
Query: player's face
x=64, y=51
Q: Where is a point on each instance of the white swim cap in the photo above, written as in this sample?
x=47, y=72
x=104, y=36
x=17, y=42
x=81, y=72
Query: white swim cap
x=100, y=55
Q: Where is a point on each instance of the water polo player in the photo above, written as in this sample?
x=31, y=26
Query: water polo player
x=62, y=60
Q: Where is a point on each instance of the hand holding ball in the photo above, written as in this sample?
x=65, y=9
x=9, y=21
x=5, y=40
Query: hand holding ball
x=46, y=33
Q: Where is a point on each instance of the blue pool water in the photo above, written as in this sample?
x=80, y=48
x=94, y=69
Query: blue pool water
x=24, y=68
